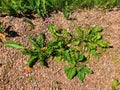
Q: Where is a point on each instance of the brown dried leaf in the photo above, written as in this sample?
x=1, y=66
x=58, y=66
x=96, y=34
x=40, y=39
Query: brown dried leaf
x=2, y=37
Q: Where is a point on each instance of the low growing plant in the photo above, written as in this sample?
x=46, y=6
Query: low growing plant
x=65, y=46
x=45, y=7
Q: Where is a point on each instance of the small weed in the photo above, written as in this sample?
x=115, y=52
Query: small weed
x=31, y=79
x=71, y=48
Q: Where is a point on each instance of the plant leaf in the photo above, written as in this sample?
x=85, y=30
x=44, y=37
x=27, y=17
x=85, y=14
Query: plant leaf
x=81, y=57
x=94, y=53
x=81, y=76
x=13, y=45
x=68, y=57
x=76, y=42
x=92, y=47
x=40, y=40
x=70, y=72
x=58, y=58
x=31, y=61
x=86, y=70
x=102, y=44
x=97, y=29
x=82, y=71
x=80, y=32
x=115, y=83
x=34, y=42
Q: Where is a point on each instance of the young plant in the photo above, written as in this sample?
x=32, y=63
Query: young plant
x=65, y=46
x=66, y=50
x=39, y=52
x=73, y=48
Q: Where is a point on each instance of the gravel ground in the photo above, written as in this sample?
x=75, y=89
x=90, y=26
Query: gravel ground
x=13, y=75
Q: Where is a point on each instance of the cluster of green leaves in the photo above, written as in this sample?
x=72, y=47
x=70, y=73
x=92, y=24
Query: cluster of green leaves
x=39, y=52
x=45, y=7
x=75, y=48
x=65, y=46
x=91, y=40
x=41, y=7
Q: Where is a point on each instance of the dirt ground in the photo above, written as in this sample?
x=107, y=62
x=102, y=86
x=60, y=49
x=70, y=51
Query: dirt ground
x=13, y=75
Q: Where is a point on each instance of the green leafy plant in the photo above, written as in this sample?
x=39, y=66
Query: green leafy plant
x=73, y=48
x=37, y=53
x=45, y=7
x=65, y=46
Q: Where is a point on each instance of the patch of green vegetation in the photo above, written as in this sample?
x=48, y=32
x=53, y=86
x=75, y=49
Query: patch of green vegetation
x=74, y=49
x=115, y=84
x=31, y=79
x=45, y=7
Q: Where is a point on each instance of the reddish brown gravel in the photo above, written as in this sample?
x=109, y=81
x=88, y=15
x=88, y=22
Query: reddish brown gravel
x=13, y=75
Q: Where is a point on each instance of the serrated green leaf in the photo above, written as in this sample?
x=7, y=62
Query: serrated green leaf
x=82, y=71
x=92, y=47
x=102, y=44
x=68, y=58
x=94, y=53
x=70, y=72
x=14, y=45
x=86, y=70
x=81, y=57
x=80, y=32
x=49, y=51
x=81, y=76
x=58, y=58
x=96, y=37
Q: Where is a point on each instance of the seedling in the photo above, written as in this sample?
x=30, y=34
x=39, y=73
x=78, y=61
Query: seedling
x=31, y=79
x=71, y=48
